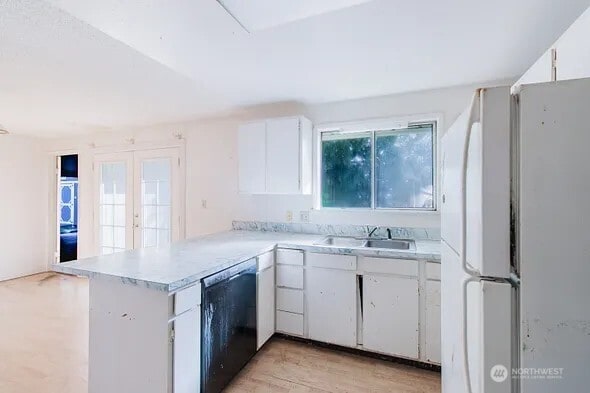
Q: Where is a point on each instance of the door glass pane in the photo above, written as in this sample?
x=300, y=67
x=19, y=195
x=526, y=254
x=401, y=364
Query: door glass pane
x=112, y=188
x=155, y=202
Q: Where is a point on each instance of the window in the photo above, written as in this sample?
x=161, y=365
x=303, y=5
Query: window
x=385, y=169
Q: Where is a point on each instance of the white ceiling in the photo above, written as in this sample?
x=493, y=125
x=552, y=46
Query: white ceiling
x=69, y=66
x=256, y=15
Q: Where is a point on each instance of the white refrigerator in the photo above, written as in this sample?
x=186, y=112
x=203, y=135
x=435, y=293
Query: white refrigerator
x=515, y=230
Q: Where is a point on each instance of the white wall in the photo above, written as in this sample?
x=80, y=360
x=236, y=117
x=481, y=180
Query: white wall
x=447, y=102
x=23, y=206
x=573, y=55
x=212, y=199
x=211, y=172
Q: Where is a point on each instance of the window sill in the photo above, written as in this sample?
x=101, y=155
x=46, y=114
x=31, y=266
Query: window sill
x=377, y=211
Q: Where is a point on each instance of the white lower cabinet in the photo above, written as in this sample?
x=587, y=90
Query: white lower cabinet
x=395, y=311
x=391, y=315
x=265, y=305
x=331, y=306
x=186, y=352
x=432, y=342
x=290, y=293
x=290, y=323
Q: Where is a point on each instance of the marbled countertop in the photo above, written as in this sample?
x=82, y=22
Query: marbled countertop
x=186, y=262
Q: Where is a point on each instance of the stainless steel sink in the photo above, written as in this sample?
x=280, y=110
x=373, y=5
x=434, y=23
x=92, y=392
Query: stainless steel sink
x=391, y=244
x=342, y=241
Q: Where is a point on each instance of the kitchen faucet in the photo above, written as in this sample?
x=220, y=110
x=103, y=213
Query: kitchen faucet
x=371, y=231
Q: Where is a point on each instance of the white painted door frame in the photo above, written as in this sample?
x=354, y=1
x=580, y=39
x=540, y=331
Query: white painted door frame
x=133, y=159
x=54, y=198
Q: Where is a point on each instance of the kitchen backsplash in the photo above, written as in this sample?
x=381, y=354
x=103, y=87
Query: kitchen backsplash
x=338, y=230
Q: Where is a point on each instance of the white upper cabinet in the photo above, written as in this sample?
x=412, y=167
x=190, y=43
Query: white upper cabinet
x=283, y=156
x=252, y=157
x=275, y=156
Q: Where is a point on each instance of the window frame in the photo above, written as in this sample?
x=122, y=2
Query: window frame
x=373, y=126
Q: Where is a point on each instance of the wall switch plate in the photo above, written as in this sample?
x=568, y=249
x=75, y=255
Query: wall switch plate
x=304, y=216
x=289, y=216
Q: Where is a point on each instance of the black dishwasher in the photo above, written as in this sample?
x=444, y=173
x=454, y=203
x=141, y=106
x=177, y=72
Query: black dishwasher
x=228, y=324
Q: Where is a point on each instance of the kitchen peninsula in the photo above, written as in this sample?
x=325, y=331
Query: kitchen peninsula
x=147, y=307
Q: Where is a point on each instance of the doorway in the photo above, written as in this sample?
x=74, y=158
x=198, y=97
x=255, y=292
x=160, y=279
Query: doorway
x=138, y=199
x=67, y=208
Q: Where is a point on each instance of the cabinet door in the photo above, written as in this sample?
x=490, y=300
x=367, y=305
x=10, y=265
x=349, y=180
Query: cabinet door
x=283, y=150
x=187, y=352
x=331, y=306
x=252, y=158
x=265, y=305
x=431, y=330
x=390, y=315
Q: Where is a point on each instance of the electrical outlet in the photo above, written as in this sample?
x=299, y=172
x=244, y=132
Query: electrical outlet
x=204, y=203
x=289, y=216
x=304, y=216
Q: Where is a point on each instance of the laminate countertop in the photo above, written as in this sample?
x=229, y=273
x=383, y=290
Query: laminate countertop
x=185, y=262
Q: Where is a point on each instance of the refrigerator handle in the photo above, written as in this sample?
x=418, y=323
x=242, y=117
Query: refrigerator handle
x=464, y=330
x=473, y=114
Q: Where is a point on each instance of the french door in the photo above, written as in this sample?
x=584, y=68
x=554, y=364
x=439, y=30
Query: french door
x=137, y=199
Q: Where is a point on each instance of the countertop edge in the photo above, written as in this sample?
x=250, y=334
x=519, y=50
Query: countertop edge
x=174, y=286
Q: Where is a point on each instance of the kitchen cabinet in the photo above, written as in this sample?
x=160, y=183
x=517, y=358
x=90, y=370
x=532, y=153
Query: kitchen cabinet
x=283, y=156
x=391, y=314
x=265, y=298
x=186, y=340
x=155, y=334
x=290, y=276
x=275, y=156
x=252, y=157
x=432, y=341
x=383, y=305
x=186, y=352
x=331, y=306
x=430, y=327
x=290, y=308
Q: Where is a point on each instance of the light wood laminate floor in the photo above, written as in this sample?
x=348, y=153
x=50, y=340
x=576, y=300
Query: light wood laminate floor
x=44, y=349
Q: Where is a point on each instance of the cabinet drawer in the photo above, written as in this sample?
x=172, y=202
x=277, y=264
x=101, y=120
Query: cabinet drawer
x=290, y=276
x=290, y=300
x=290, y=257
x=404, y=267
x=433, y=271
x=186, y=299
x=333, y=261
x=265, y=261
x=290, y=323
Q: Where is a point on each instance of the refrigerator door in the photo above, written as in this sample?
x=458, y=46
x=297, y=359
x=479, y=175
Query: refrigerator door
x=487, y=183
x=554, y=246
x=452, y=144
x=489, y=339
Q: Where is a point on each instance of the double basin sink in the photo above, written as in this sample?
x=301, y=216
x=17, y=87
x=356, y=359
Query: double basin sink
x=355, y=242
